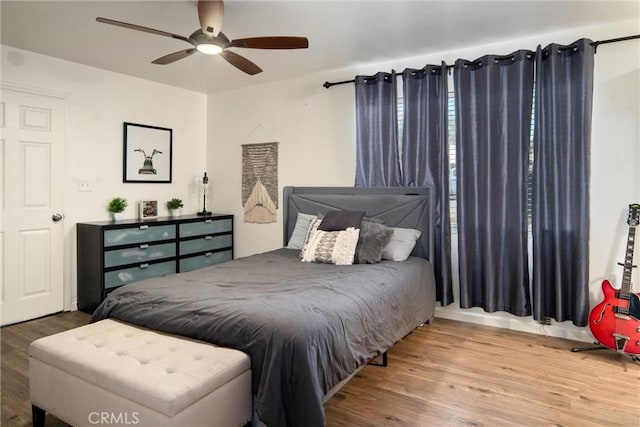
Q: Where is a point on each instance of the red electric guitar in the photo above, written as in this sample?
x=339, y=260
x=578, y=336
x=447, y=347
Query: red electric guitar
x=615, y=322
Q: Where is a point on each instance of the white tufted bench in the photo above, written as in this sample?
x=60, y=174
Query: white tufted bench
x=112, y=373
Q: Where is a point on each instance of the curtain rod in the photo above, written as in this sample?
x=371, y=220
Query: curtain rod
x=595, y=45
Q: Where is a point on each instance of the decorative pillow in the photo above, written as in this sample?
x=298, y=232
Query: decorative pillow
x=313, y=226
x=401, y=244
x=296, y=241
x=331, y=247
x=373, y=238
x=341, y=220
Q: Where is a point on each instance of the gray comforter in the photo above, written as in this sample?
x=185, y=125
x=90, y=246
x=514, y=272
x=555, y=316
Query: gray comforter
x=305, y=326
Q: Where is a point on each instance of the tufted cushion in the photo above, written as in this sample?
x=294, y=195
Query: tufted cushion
x=160, y=371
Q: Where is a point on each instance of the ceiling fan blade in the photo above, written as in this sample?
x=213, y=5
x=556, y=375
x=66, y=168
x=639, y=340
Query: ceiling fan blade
x=211, y=15
x=173, y=57
x=240, y=62
x=272, y=42
x=141, y=28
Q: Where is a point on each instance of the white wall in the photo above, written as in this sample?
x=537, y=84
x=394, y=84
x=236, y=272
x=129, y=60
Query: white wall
x=316, y=131
x=98, y=102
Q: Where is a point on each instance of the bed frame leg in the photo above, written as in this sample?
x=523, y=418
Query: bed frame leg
x=384, y=363
x=37, y=416
x=255, y=421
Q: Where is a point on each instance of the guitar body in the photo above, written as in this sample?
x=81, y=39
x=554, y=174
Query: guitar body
x=615, y=322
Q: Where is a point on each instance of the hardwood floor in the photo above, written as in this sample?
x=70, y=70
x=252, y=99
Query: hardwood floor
x=14, y=374
x=445, y=374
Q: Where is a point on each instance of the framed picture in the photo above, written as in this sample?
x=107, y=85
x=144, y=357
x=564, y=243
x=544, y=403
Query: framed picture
x=147, y=153
x=148, y=209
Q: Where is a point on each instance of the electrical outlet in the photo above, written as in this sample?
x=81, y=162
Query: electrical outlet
x=84, y=185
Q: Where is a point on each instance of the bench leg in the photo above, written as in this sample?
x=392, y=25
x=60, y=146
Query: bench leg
x=38, y=415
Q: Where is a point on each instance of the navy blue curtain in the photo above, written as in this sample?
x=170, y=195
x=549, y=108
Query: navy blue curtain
x=425, y=157
x=562, y=138
x=377, y=161
x=493, y=119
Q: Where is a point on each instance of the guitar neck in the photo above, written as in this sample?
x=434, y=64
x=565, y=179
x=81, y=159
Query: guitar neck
x=628, y=262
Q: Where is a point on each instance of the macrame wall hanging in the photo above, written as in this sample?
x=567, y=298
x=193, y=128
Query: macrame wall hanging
x=260, y=182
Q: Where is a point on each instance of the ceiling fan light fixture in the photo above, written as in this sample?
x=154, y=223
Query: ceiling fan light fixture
x=209, y=40
x=209, y=48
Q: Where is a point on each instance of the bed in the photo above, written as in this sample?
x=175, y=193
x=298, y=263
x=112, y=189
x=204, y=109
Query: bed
x=307, y=327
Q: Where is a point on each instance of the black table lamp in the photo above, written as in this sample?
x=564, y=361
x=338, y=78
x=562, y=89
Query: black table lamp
x=205, y=189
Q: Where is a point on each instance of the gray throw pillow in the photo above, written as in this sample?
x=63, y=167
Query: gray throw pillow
x=296, y=241
x=373, y=238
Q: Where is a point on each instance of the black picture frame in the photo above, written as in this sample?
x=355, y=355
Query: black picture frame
x=148, y=154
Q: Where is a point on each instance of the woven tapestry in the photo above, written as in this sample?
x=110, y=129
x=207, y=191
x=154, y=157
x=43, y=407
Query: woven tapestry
x=260, y=182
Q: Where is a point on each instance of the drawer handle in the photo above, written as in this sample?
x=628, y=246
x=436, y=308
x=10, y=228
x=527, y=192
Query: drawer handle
x=144, y=227
x=145, y=265
x=208, y=221
x=145, y=246
x=208, y=254
x=208, y=237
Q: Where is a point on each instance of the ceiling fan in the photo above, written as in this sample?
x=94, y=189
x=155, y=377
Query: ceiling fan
x=209, y=40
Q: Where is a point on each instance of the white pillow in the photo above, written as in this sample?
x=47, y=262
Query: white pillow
x=313, y=226
x=401, y=244
x=296, y=241
x=331, y=247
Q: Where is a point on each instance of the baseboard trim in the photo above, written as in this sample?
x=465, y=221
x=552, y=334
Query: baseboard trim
x=566, y=330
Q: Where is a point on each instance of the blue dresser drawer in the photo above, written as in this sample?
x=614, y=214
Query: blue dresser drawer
x=115, y=253
x=143, y=271
x=206, y=243
x=139, y=234
x=139, y=254
x=206, y=260
x=206, y=226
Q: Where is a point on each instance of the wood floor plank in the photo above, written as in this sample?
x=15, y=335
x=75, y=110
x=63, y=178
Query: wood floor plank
x=453, y=373
x=14, y=372
x=445, y=374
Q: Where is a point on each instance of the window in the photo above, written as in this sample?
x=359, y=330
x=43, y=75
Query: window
x=451, y=117
x=453, y=176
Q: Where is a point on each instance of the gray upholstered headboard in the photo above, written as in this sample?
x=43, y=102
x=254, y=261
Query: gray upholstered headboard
x=406, y=207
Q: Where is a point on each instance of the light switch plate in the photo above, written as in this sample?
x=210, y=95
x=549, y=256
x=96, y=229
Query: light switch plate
x=84, y=185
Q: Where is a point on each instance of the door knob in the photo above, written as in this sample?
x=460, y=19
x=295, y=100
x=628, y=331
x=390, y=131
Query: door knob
x=57, y=217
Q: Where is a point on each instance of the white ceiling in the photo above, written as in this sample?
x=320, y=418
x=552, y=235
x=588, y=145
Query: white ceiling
x=341, y=33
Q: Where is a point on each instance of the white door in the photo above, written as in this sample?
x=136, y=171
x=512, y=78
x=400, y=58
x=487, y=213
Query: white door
x=31, y=193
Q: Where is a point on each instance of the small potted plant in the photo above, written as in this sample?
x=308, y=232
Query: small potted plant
x=174, y=206
x=116, y=206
